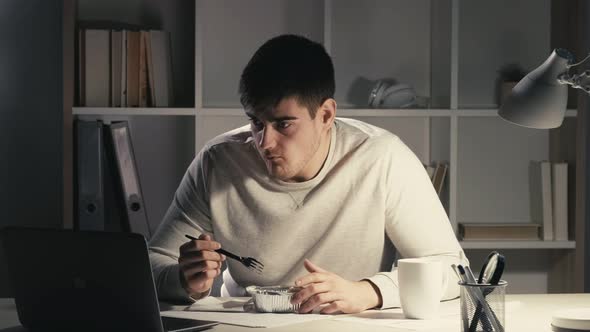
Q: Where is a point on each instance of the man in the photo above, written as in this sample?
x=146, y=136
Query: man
x=319, y=200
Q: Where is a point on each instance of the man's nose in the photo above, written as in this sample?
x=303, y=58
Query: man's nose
x=266, y=138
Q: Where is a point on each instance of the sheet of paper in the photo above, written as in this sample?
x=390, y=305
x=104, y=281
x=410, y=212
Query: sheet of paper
x=249, y=319
x=224, y=304
x=449, y=317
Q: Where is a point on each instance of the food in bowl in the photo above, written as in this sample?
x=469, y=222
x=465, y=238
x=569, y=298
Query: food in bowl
x=273, y=298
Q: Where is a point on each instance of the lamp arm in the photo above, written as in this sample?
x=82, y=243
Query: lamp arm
x=576, y=81
x=579, y=63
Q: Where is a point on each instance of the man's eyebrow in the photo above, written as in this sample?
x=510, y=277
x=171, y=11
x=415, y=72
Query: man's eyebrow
x=272, y=119
x=283, y=118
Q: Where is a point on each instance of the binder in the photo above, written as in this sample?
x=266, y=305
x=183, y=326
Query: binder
x=127, y=179
x=90, y=170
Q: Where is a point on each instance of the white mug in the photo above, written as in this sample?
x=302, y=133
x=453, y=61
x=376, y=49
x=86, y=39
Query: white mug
x=420, y=287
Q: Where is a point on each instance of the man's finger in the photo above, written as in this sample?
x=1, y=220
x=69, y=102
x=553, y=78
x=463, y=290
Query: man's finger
x=194, y=268
x=317, y=300
x=309, y=291
x=311, y=279
x=197, y=245
x=311, y=267
x=198, y=256
x=201, y=281
x=205, y=237
x=332, y=308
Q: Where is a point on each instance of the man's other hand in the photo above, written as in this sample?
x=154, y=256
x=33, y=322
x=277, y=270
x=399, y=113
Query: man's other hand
x=199, y=264
x=335, y=294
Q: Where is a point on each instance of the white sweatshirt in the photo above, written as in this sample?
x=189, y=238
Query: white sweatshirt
x=371, y=194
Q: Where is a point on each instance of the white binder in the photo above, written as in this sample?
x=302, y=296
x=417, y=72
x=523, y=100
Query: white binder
x=124, y=159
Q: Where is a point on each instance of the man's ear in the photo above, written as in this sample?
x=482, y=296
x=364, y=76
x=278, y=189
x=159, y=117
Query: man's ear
x=327, y=112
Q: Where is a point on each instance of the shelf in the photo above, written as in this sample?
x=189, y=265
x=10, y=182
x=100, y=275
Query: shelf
x=493, y=112
x=345, y=112
x=381, y=112
x=473, y=244
x=132, y=111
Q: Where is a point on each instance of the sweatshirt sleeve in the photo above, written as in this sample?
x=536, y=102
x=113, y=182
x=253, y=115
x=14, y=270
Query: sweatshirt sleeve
x=416, y=223
x=188, y=214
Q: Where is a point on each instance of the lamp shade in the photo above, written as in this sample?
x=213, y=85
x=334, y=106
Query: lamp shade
x=539, y=100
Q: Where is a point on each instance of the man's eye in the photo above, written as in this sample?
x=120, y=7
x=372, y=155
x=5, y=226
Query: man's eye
x=284, y=125
x=256, y=123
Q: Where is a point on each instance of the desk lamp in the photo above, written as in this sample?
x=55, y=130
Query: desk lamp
x=539, y=100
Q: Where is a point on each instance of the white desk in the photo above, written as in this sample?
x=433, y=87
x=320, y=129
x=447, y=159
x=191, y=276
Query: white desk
x=534, y=314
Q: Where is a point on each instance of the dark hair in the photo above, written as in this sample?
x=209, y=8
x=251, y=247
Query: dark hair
x=287, y=66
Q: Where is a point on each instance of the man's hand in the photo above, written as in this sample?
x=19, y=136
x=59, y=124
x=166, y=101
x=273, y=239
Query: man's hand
x=199, y=264
x=339, y=295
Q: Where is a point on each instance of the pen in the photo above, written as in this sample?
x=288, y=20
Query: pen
x=469, y=274
x=493, y=317
x=470, y=280
x=484, y=320
x=463, y=307
x=487, y=316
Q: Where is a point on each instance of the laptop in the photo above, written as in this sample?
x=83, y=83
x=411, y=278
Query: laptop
x=65, y=280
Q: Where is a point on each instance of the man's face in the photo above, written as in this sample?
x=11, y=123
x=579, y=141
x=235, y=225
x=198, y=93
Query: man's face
x=288, y=140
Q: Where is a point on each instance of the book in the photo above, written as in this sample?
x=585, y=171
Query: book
x=97, y=68
x=438, y=179
x=143, y=71
x=540, y=197
x=150, y=68
x=560, y=201
x=429, y=170
x=81, y=67
x=161, y=65
x=116, y=67
x=133, y=68
x=487, y=231
x=124, y=68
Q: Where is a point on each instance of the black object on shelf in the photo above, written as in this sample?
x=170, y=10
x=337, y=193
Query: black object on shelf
x=109, y=193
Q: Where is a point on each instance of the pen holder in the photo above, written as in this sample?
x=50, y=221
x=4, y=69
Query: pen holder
x=483, y=307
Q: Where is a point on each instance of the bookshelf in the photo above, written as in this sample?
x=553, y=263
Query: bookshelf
x=448, y=50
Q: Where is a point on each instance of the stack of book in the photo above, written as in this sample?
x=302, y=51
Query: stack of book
x=515, y=231
x=124, y=68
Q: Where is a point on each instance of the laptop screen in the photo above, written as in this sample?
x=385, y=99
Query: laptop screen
x=65, y=280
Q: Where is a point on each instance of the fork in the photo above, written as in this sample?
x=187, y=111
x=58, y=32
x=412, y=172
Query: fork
x=249, y=262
